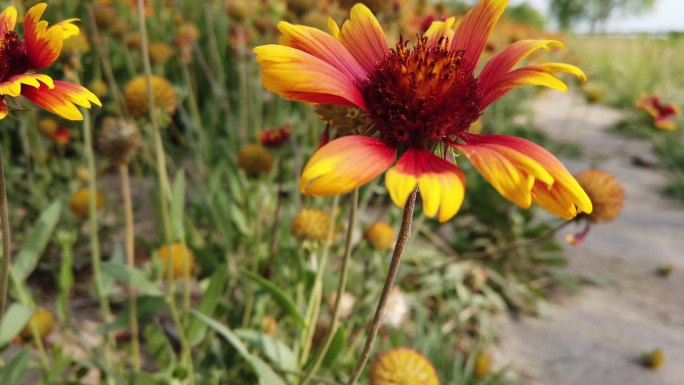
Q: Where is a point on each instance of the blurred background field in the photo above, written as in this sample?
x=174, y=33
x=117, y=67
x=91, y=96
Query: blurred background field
x=234, y=272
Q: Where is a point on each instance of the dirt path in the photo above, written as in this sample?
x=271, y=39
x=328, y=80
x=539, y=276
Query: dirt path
x=596, y=336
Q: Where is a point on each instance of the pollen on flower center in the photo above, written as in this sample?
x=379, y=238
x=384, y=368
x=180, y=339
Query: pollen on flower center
x=13, y=57
x=421, y=94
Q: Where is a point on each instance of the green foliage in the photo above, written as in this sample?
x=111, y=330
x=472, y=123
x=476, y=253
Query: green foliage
x=526, y=14
x=568, y=12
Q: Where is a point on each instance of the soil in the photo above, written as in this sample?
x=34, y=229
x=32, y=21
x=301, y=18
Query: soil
x=598, y=335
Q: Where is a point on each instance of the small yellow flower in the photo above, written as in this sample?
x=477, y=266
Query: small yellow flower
x=238, y=10
x=98, y=87
x=160, y=52
x=269, y=325
x=653, y=359
x=106, y=16
x=483, y=366
x=311, y=224
x=135, y=96
x=593, y=93
x=255, y=159
x=186, y=34
x=380, y=235
x=47, y=127
x=133, y=42
x=182, y=260
x=82, y=174
x=119, y=139
x=403, y=366
x=80, y=202
x=605, y=193
x=42, y=320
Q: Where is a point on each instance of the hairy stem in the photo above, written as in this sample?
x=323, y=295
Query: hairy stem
x=404, y=233
x=6, y=242
x=130, y=260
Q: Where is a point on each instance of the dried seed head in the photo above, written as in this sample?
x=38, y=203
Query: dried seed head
x=118, y=139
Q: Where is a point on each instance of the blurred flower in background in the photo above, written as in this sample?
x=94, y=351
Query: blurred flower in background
x=403, y=366
x=663, y=114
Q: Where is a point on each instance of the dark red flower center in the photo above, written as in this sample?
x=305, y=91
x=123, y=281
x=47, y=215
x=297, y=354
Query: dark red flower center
x=13, y=57
x=422, y=94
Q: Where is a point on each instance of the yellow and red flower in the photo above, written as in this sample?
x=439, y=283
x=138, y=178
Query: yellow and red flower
x=421, y=99
x=41, y=46
x=663, y=114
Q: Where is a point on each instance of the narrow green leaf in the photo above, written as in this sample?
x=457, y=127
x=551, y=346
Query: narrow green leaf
x=14, y=321
x=33, y=248
x=217, y=283
x=266, y=375
x=277, y=293
x=336, y=347
x=13, y=372
x=274, y=349
x=133, y=276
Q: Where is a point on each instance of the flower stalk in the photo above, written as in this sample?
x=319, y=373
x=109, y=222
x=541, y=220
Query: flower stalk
x=402, y=238
x=130, y=261
x=6, y=242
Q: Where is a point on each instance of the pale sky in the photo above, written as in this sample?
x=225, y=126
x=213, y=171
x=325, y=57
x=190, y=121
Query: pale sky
x=668, y=15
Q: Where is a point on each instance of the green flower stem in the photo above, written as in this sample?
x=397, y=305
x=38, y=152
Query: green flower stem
x=96, y=256
x=165, y=194
x=314, y=305
x=341, y=287
x=404, y=234
x=6, y=242
x=130, y=260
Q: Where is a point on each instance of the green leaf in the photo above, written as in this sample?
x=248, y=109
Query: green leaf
x=277, y=293
x=266, y=375
x=34, y=245
x=133, y=276
x=337, y=346
x=178, y=203
x=239, y=219
x=158, y=346
x=14, y=321
x=276, y=350
x=13, y=372
x=147, y=306
x=217, y=283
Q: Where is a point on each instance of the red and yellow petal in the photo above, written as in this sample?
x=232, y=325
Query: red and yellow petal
x=523, y=172
x=345, y=164
x=440, y=29
x=62, y=99
x=473, y=32
x=504, y=61
x=297, y=75
x=441, y=183
x=322, y=46
x=13, y=86
x=43, y=44
x=539, y=75
x=8, y=19
x=364, y=38
x=4, y=111
x=68, y=27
